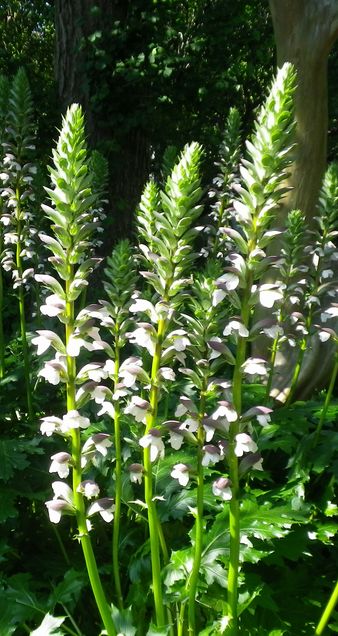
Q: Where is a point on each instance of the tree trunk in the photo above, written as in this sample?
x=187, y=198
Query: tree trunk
x=305, y=31
x=76, y=21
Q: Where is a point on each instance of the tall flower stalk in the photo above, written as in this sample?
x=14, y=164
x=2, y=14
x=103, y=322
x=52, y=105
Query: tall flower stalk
x=165, y=225
x=17, y=176
x=262, y=188
x=203, y=325
x=4, y=93
x=72, y=225
x=290, y=266
x=119, y=286
x=323, y=255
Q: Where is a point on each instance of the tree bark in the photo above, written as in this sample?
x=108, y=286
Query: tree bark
x=305, y=31
x=76, y=21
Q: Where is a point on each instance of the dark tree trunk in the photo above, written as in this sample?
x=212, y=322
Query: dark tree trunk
x=76, y=21
x=305, y=31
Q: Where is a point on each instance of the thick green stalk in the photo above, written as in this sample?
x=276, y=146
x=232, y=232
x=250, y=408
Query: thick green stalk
x=296, y=372
x=21, y=299
x=234, y=508
x=148, y=484
x=83, y=535
x=193, y=579
x=2, y=341
x=327, y=612
x=326, y=403
x=118, y=485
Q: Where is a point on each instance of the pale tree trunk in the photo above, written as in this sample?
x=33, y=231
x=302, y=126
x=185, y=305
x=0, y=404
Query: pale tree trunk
x=305, y=31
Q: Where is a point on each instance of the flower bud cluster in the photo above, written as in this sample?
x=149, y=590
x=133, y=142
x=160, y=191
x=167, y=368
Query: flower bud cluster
x=16, y=178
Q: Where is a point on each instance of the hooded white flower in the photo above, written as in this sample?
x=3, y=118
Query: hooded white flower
x=72, y=420
x=54, y=306
x=236, y=327
x=225, y=409
x=253, y=366
x=50, y=425
x=60, y=464
x=211, y=455
x=153, y=440
x=144, y=336
x=88, y=488
x=179, y=339
x=244, y=444
x=135, y=473
x=45, y=339
x=138, y=407
x=181, y=473
x=145, y=306
x=222, y=488
x=105, y=507
x=190, y=424
x=269, y=294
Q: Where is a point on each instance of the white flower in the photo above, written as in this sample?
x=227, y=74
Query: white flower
x=57, y=507
x=176, y=439
x=181, y=473
x=105, y=507
x=179, y=339
x=153, y=440
x=54, y=370
x=138, y=407
x=129, y=371
x=60, y=464
x=244, y=444
x=72, y=420
x=94, y=371
x=211, y=455
x=222, y=488
x=62, y=491
x=167, y=374
x=54, y=306
x=140, y=305
x=50, y=425
x=237, y=327
x=99, y=442
x=263, y=419
x=229, y=280
x=101, y=393
x=254, y=366
x=327, y=273
x=190, y=425
x=88, y=488
x=107, y=408
x=275, y=331
x=144, y=336
x=225, y=409
x=269, y=294
x=135, y=473
x=217, y=296
x=44, y=340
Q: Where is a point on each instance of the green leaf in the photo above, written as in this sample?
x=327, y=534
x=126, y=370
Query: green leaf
x=123, y=621
x=155, y=631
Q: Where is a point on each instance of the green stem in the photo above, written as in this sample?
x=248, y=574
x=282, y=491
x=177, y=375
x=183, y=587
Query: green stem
x=274, y=350
x=296, y=373
x=22, y=312
x=2, y=341
x=193, y=579
x=148, y=484
x=118, y=486
x=79, y=504
x=180, y=620
x=326, y=403
x=234, y=508
x=327, y=612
